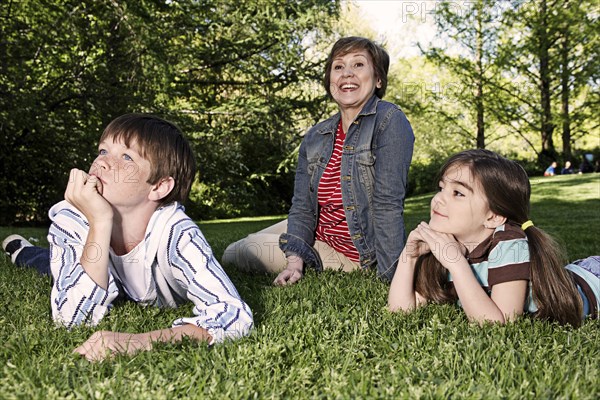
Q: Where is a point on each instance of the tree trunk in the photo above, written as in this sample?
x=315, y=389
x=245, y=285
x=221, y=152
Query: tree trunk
x=479, y=95
x=547, y=127
x=566, y=91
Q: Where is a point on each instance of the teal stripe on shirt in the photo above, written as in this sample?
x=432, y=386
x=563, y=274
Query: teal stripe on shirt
x=508, y=252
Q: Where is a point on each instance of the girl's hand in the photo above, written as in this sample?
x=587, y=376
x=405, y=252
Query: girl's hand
x=83, y=192
x=444, y=246
x=415, y=245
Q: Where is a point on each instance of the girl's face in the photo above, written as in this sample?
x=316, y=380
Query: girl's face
x=460, y=207
x=353, y=80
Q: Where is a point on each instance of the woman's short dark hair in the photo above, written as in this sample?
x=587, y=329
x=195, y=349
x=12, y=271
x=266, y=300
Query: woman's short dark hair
x=379, y=58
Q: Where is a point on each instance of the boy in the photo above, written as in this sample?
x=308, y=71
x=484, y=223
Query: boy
x=122, y=231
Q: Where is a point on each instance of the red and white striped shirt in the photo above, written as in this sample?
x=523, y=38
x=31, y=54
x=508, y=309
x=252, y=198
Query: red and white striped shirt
x=332, y=227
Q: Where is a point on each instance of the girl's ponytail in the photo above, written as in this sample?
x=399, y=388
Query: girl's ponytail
x=554, y=290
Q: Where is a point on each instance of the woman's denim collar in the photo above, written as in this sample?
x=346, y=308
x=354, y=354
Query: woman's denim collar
x=331, y=123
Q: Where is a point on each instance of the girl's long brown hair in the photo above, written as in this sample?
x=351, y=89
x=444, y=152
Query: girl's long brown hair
x=507, y=190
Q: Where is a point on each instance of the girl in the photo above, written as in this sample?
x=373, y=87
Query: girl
x=481, y=248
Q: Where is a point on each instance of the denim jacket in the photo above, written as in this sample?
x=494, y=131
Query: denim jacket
x=374, y=172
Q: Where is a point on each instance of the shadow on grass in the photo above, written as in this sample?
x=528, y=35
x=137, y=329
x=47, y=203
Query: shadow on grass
x=563, y=214
x=575, y=224
x=222, y=233
x=253, y=289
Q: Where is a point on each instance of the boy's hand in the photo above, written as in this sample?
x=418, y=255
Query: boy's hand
x=104, y=344
x=84, y=192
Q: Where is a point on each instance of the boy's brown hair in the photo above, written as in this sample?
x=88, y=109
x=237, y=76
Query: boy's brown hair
x=163, y=145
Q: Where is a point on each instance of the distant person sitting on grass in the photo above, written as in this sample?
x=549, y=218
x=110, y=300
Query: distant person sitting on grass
x=481, y=249
x=586, y=165
x=568, y=169
x=551, y=170
x=122, y=232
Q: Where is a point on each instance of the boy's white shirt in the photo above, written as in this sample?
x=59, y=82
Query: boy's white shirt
x=77, y=299
x=134, y=270
x=137, y=281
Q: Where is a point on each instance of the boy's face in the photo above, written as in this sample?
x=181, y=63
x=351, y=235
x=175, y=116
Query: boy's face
x=123, y=174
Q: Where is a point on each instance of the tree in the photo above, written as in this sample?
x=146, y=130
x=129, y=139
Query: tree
x=243, y=86
x=65, y=70
x=578, y=63
x=548, y=50
x=230, y=75
x=472, y=30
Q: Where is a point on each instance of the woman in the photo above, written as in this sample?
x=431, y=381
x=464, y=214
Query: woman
x=351, y=179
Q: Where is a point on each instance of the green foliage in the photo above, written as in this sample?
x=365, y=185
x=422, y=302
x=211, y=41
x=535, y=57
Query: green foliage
x=241, y=89
x=330, y=336
x=235, y=77
x=481, y=78
x=242, y=80
x=428, y=96
x=421, y=178
x=67, y=69
x=549, y=53
x=474, y=28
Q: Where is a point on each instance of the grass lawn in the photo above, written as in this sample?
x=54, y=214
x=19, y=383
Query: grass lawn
x=328, y=337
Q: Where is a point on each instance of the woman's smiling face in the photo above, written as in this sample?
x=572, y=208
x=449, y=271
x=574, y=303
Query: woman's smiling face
x=352, y=80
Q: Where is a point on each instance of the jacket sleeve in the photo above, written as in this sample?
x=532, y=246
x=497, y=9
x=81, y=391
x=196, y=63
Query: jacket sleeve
x=218, y=307
x=75, y=299
x=302, y=218
x=393, y=149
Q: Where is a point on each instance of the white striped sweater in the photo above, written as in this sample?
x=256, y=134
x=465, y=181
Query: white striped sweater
x=175, y=263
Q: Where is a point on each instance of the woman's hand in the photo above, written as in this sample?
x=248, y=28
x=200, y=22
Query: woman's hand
x=83, y=192
x=444, y=246
x=292, y=272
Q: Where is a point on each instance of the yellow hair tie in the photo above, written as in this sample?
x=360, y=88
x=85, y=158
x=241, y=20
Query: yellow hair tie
x=527, y=224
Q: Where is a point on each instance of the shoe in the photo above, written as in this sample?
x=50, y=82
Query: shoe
x=13, y=245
